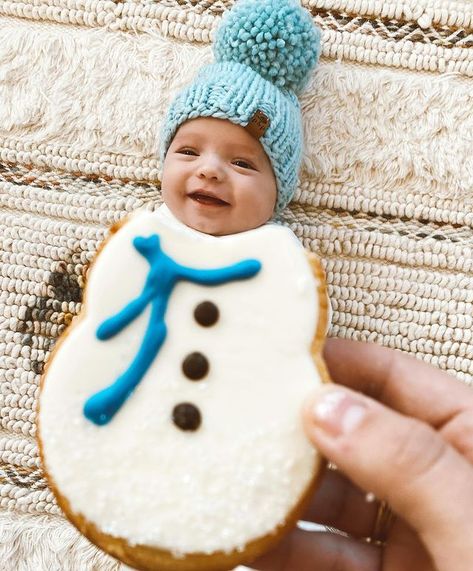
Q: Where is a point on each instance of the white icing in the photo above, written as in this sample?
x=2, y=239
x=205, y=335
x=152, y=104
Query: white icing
x=238, y=476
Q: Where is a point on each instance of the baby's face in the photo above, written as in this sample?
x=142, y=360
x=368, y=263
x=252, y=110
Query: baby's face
x=217, y=178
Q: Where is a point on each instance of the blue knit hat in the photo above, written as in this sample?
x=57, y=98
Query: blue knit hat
x=264, y=51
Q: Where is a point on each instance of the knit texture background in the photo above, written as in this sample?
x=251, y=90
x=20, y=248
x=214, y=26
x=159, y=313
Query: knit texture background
x=385, y=198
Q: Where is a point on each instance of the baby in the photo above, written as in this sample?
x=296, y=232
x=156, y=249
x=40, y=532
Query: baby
x=217, y=178
x=232, y=140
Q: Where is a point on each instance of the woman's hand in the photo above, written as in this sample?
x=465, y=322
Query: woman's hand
x=409, y=440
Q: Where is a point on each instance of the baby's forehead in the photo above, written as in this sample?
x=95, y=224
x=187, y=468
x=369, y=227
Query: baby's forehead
x=221, y=131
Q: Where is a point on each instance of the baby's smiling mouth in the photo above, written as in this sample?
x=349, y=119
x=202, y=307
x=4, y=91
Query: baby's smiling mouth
x=207, y=198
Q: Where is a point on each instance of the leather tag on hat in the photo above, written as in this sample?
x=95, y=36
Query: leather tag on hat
x=258, y=124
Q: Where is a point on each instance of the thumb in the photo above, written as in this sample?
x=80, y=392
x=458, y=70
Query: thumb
x=398, y=458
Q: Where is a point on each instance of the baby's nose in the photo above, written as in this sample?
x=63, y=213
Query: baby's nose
x=211, y=167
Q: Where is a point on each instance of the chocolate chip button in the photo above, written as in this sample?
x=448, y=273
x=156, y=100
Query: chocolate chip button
x=195, y=366
x=206, y=314
x=186, y=416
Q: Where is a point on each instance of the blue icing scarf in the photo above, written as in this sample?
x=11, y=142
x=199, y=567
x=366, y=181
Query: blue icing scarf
x=163, y=275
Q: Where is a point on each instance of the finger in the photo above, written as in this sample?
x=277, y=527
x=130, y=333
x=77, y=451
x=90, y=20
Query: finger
x=307, y=551
x=398, y=380
x=427, y=482
x=402, y=383
x=339, y=503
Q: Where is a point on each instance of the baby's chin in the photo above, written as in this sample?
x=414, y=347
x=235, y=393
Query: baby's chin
x=214, y=226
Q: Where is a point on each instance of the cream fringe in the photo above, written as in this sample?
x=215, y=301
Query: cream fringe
x=51, y=543
x=88, y=89
x=367, y=125
x=48, y=543
x=197, y=22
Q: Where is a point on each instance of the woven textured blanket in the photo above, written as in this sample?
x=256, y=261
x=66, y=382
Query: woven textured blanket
x=385, y=198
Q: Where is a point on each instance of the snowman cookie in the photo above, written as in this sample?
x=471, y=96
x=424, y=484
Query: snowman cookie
x=169, y=422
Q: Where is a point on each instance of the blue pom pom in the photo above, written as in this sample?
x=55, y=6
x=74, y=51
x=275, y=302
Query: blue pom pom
x=276, y=38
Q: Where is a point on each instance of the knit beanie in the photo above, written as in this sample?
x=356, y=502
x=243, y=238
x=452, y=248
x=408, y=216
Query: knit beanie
x=264, y=52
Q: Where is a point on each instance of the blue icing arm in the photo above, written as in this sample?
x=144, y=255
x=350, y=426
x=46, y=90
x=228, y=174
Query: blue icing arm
x=102, y=406
x=113, y=325
x=149, y=248
x=239, y=271
x=163, y=275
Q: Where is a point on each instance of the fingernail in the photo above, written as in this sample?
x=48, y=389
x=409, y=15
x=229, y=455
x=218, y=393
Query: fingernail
x=338, y=412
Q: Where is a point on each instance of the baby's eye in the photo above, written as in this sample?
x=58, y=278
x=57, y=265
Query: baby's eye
x=243, y=164
x=188, y=152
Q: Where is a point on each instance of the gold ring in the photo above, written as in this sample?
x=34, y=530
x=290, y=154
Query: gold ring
x=382, y=525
